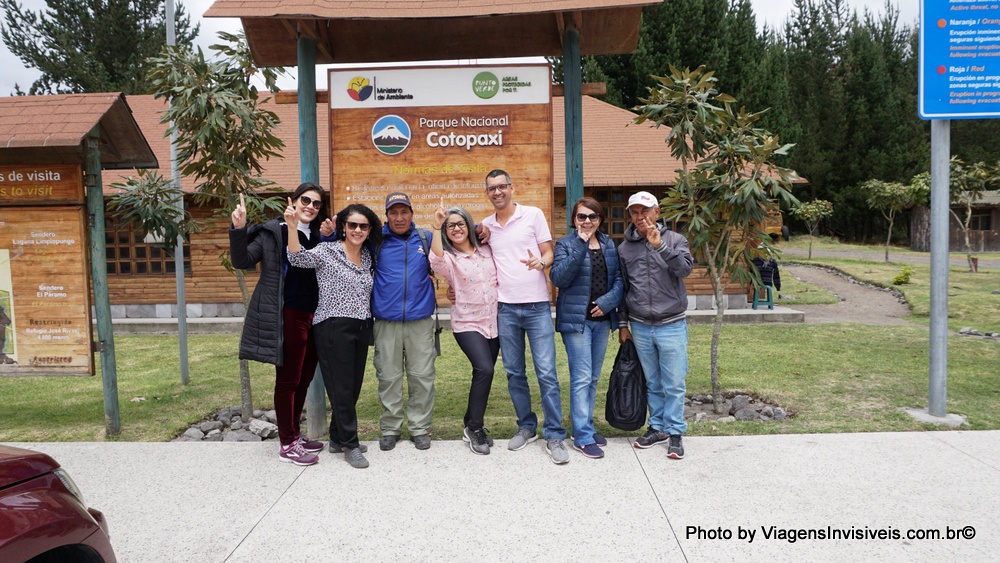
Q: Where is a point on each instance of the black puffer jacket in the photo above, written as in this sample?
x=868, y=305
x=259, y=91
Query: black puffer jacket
x=263, y=333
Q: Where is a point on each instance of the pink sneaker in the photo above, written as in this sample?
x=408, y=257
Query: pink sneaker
x=311, y=446
x=293, y=453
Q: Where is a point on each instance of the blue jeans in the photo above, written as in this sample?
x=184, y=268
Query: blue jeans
x=585, y=351
x=663, y=354
x=534, y=320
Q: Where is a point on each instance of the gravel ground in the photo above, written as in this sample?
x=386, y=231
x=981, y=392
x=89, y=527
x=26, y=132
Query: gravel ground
x=858, y=303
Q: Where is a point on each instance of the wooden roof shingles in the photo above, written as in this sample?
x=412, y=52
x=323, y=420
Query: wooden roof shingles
x=396, y=31
x=49, y=129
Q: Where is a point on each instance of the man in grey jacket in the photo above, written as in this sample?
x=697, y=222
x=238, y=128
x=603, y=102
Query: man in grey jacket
x=654, y=262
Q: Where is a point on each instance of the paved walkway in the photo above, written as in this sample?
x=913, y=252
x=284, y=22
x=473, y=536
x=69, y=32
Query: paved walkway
x=234, y=502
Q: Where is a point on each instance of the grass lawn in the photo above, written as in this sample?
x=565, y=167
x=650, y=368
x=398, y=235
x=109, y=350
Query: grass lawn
x=971, y=301
x=842, y=377
x=834, y=378
x=794, y=292
x=801, y=242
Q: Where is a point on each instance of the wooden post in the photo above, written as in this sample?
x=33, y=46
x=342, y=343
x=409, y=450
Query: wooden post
x=309, y=171
x=573, y=100
x=99, y=273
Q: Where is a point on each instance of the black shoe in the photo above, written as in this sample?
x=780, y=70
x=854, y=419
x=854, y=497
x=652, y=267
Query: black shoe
x=388, y=442
x=650, y=438
x=676, y=449
x=422, y=442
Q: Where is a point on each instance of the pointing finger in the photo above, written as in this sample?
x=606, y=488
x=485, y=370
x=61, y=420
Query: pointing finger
x=243, y=202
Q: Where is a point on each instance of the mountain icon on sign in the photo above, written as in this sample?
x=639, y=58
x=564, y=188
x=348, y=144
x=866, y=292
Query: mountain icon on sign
x=391, y=134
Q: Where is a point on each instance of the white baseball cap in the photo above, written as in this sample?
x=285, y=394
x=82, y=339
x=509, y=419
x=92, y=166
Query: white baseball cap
x=644, y=199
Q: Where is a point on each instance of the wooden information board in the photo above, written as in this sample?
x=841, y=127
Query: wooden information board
x=44, y=289
x=435, y=132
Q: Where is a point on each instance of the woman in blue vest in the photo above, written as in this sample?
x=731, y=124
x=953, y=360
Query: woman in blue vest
x=585, y=269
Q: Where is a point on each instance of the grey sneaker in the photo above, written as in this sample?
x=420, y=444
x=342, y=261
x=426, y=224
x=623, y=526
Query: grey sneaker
x=338, y=448
x=356, y=458
x=388, y=442
x=522, y=438
x=489, y=439
x=422, y=442
x=557, y=451
x=478, y=441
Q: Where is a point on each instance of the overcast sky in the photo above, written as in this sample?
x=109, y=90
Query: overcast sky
x=770, y=12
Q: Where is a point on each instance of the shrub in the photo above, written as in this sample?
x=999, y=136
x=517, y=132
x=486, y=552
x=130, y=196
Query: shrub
x=902, y=277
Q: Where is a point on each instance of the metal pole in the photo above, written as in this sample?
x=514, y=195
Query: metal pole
x=573, y=111
x=940, y=173
x=309, y=171
x=99, y=273
x=175, y=177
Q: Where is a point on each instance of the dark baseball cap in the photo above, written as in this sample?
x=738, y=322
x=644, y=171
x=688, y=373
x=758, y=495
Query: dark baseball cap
x=397, y=197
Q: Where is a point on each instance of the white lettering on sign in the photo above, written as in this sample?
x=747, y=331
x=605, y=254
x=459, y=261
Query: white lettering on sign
x=437, y=139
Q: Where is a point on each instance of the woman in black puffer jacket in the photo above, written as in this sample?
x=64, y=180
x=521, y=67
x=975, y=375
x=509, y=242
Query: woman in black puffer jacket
x=278, y=325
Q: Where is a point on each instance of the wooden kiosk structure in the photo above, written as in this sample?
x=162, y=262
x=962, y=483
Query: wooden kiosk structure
x=304, y=33
x=52, y=152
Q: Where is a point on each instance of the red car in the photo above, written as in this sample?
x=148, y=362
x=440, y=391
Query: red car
x=42, y=514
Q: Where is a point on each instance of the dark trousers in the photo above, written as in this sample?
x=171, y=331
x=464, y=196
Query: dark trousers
x=482, y=353
x=342, y=346
x=293, y=377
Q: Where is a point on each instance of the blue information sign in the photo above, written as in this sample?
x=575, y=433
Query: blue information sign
x=959, y=59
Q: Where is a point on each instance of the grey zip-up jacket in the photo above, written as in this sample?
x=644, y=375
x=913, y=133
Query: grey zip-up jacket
x=654, y=277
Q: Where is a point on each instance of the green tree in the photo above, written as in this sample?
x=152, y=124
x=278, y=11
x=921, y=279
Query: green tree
x=969, y=183
x=890, y=198
x=90, y=45
x=720, y=34
x=811, y=213
x=727, y=182
x=855, y=116
x=223, y=138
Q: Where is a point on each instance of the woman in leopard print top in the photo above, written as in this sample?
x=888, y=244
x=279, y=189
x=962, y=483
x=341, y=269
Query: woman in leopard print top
x=342, y=322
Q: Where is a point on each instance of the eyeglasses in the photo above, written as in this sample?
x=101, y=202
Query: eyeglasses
x=352, y=226
x=581, y=217
x=458, y=226
x=499, y=187
x=316, y=203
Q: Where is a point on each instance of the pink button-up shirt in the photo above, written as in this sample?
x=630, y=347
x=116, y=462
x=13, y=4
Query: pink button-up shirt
x=510, y=243
x=474, y=278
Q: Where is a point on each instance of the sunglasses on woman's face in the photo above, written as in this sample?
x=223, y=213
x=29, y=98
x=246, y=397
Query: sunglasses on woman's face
x=306, y=200
x=581, y=217
x=352, y=226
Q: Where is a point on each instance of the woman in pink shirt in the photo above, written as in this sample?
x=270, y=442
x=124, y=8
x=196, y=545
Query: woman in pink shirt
x=468, y=267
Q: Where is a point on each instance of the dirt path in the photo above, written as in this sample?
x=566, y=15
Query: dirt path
x=858, y=303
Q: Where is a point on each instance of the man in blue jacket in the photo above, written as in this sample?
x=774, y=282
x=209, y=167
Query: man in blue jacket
x=654, y=261
x=403, y=304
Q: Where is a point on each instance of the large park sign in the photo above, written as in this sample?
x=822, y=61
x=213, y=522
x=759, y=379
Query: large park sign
x=436, y=132
x=45, y=324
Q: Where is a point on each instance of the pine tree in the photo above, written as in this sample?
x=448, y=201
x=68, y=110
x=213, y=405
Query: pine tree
x=90, y=45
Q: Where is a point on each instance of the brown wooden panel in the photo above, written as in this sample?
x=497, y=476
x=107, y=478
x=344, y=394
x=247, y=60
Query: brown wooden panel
x=361, y=174
x=47, y=184
x=44, y=290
